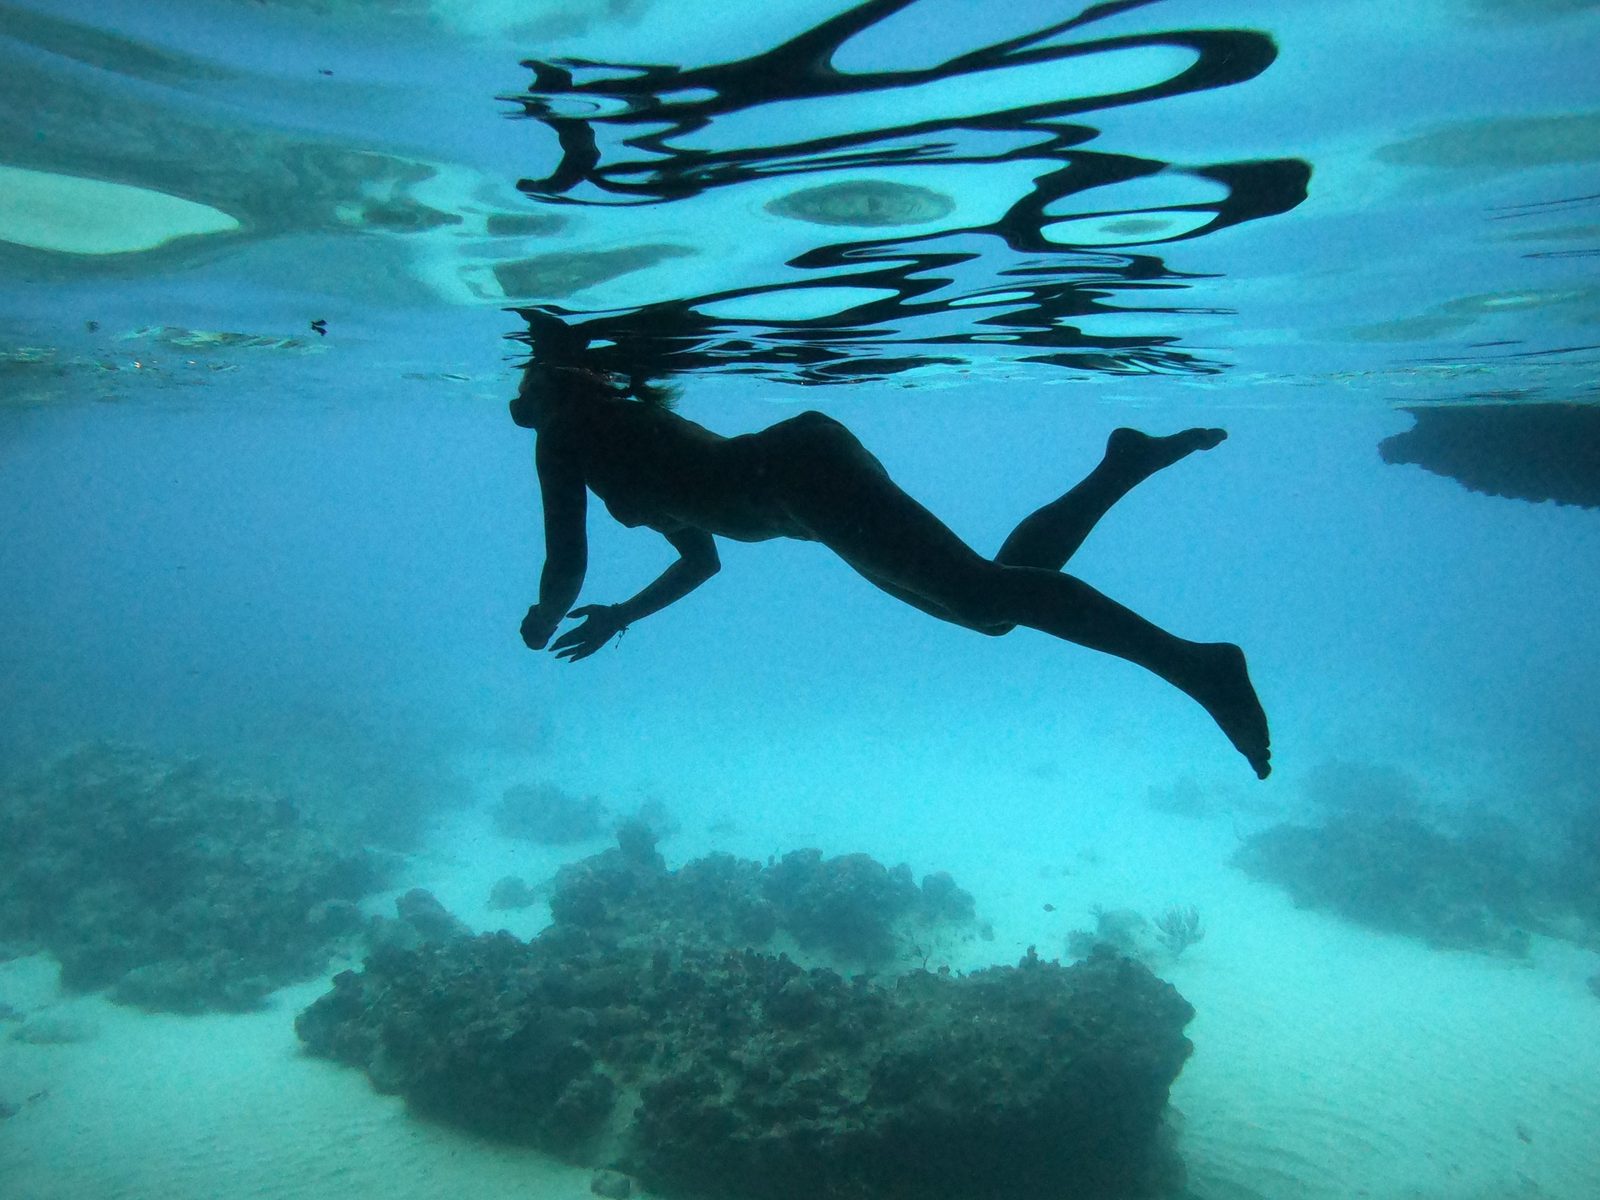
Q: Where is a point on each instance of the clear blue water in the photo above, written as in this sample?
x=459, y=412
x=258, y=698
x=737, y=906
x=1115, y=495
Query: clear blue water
x=260, y=499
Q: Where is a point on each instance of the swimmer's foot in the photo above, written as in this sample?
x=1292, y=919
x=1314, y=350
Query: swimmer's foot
x=1144, y=455
x=1220, y=681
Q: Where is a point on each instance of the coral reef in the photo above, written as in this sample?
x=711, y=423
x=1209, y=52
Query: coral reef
x=1378, y=851
x=166, y=884
x=1179, y=928
x=645, y=1032
x=1397, y=874
x=851, y=908
x=1129, y=933
x=552, y=816
x=1122, y=930
x=1573, y=877
x=737, y=1073
x=512, y=891
x=549, y=815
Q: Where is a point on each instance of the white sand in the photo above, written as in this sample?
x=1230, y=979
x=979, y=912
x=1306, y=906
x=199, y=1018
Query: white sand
x=73, y=215
x=1330, y=1062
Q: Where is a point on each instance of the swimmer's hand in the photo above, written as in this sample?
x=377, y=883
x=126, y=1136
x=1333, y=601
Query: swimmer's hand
x=537, y=627
x=602, y=622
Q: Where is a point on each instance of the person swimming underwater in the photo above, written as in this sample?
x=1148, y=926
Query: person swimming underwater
x=809, y=478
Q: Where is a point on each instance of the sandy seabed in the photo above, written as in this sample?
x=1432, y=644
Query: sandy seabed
x=1330, y=1062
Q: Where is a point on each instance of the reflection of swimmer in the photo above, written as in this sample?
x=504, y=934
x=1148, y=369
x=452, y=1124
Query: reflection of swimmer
x=809, y=478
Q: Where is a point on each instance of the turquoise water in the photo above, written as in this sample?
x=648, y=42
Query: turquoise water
x=265, y=267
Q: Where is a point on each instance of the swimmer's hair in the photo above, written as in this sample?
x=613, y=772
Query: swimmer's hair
x=648, y=391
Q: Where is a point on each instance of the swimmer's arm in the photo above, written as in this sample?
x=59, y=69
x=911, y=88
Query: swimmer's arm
x=697, y=562
x=566, y=541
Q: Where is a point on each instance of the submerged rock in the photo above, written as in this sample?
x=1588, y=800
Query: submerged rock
x=644, y=1031
x=1400, y=875
x=169, y=885
x=755, y=1077
x=849, y=909
x=511, y=892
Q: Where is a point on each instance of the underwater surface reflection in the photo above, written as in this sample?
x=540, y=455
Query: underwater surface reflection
x=315, y=882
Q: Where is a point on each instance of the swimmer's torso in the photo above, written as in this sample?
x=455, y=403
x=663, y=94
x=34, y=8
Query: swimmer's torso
x=651, y=467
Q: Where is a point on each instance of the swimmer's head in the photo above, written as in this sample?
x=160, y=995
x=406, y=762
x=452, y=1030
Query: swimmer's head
x=544, y=383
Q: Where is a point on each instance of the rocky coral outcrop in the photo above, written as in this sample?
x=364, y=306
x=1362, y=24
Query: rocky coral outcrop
x=170, y=886
x=645, y=1031
x=737, y=1073
x=850, y=909
x=1401, y=875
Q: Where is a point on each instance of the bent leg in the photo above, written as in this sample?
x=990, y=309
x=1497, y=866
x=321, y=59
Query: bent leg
x=1049, y=537
x=844, y=499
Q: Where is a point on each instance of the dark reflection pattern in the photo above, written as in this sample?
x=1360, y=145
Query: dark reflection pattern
x=642, y=134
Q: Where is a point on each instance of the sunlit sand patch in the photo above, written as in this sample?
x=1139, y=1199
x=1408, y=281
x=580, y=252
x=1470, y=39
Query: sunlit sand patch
x=1501, y=144
x=70, y=214
x=864, y=202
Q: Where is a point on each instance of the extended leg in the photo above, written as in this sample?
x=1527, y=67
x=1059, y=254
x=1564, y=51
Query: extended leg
x=1212, y=673
x=846, y=501
x=1049, y=537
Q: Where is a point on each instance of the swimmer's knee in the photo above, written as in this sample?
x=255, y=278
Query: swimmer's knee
x=979, y=614
x=992, y=630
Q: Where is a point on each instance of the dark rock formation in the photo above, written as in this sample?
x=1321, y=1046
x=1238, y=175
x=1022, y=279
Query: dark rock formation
x=552, y=816
x=419, y=920
x=175, y=889
x=1397, y=874
x=851, y=908
x=512, y=891
x=1519, y=451
x=549, y=815
x=730, y=1073
x=643, y=1031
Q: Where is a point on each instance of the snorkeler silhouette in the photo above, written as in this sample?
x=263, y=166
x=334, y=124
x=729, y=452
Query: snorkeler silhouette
x=808, y=478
